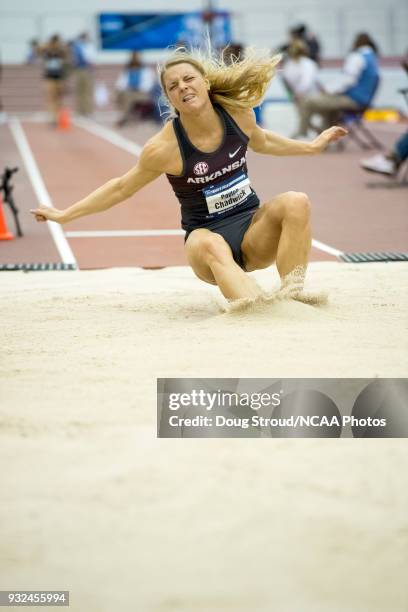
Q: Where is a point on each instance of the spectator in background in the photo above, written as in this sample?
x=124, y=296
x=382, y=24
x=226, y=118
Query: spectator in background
x=55, y=58
x=135, y=87
x=2, y=113
x=301, y=32
x=83, y=58
x=388, y=164
x=404, y=62
x=300, y=75
x=34, y=52
x=233, y=52
x=353, y=93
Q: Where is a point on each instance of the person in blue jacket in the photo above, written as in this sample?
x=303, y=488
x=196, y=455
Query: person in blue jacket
x=355, y=91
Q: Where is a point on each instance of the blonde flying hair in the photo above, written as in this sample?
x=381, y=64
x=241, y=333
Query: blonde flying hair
x=236, y=84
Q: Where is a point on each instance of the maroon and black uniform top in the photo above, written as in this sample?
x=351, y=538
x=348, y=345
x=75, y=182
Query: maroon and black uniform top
x=213, y=185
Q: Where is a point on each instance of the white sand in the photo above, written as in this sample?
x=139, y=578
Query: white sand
x=92, y=502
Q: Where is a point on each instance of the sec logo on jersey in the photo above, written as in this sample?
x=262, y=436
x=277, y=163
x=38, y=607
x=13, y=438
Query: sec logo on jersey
x=200, y=168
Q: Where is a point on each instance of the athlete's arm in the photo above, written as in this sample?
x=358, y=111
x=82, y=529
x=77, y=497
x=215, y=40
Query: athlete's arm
x=268, y=143
x=111, y=193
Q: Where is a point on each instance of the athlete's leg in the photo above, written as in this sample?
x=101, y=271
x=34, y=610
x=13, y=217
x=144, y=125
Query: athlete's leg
x=211, y=259
x=280, y=230
x=51, y=92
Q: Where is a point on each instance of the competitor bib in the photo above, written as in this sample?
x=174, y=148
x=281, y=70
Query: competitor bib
x=53, y=64
x=228, y=194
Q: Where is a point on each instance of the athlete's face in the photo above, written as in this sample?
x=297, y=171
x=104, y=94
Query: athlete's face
x=186, y=88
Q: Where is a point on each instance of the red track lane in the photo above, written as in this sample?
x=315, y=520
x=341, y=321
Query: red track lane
x=73, y=164
x=346, y=214
x=37, y=244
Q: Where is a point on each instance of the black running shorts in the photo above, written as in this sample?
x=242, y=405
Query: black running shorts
x=232, y=229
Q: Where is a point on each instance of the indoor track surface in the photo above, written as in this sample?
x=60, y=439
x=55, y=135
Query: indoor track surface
x=351, y=211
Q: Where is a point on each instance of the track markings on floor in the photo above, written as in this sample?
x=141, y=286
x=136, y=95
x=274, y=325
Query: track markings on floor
x=109, y=135
x=321, y=246
x=40, y=190
x=124, y=233
x=131, y=147
x=168, y=232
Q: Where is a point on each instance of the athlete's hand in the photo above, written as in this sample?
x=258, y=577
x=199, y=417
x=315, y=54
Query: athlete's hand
x=45, y=213
x=325, y=138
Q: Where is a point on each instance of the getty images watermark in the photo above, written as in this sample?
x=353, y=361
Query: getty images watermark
x=282, y=408
x=255, y=401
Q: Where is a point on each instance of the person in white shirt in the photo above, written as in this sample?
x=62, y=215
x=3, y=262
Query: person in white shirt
x=300, y=75
x=355, y=90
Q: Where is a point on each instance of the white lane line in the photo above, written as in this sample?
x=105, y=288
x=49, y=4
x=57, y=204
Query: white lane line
x=108, y=134
x=40, y=190
x=124, y=233
x=168, y=232
x=326, y=248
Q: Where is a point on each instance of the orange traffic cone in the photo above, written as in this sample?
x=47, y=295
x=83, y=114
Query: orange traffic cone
x=64, y=120
x=4, y=233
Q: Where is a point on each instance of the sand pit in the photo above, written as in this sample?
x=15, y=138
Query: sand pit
x=93, y=503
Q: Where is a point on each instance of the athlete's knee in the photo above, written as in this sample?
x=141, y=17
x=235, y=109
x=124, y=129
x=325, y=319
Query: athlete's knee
x=272, y=212
x=215, y=249
x=211, y=247
x=297, y=206
x=292, y=205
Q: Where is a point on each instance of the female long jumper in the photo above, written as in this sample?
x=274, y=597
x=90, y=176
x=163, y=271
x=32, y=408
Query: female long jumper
x=202, y=151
